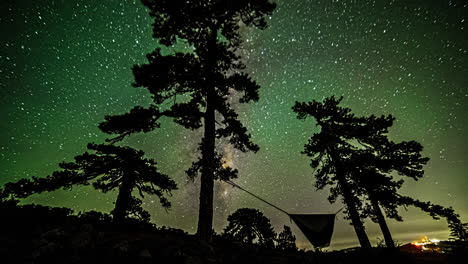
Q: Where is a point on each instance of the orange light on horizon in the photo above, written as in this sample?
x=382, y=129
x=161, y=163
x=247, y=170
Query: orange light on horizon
x=427, y=244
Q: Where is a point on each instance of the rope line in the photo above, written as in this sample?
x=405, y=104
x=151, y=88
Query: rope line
x=340, y=210
x=233, y=184
x=261, y=199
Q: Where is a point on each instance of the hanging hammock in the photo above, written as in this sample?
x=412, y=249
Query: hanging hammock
x=317, y=228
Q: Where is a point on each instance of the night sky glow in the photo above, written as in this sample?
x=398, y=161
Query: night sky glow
x=64, y=65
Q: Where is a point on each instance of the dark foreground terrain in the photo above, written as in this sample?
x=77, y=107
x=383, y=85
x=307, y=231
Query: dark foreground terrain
x=38, y=234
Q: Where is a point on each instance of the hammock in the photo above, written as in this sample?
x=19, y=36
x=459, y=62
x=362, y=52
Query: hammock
x=317, y=228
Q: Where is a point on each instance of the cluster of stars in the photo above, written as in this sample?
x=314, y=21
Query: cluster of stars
x=65, y=65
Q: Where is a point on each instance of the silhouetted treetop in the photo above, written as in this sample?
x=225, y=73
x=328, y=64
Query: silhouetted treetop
x=339, y=124
x=184, y=79
x=247, y=224
x=190, y=20
x=286, y=240
x=172, y=79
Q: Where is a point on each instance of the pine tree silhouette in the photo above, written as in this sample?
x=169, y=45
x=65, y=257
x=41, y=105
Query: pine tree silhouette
x=372, y=167
x=191, y=87
x=354, y=156
x=286, y=240
x=329, y=151
x=247, y=224
x=108, y=168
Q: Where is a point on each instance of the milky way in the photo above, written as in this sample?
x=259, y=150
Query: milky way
x=64, y=65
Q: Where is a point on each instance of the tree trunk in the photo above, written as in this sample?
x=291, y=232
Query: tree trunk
x=350, y=201
x=383, y=225
x=353, y=214
x=122, y=203
x=205, y=215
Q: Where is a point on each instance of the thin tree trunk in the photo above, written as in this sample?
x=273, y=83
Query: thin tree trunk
x=383, y=225
x=205, y=216
x=350, y=202
x=353, y=214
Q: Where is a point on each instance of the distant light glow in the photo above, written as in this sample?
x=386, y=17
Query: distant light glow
x=427, y=244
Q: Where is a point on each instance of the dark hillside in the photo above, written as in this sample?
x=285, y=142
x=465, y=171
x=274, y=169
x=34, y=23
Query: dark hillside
x=40, y=234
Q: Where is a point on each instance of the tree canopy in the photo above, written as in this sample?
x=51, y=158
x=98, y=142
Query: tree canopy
x=247, y=224
x=286, y=240
x=330, y=150
x=354, y=156
x=192, y=86
x=107, y=168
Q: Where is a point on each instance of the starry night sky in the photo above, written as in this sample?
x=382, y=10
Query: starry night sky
x=64, y=65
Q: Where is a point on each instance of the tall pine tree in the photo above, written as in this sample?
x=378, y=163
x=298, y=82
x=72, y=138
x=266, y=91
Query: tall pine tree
x=330, y=151
x=355, y=156
x=193, y=87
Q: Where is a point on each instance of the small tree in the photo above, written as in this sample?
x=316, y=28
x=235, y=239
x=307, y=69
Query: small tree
x=247, y=224
x=286, y=240
x=109, y=168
